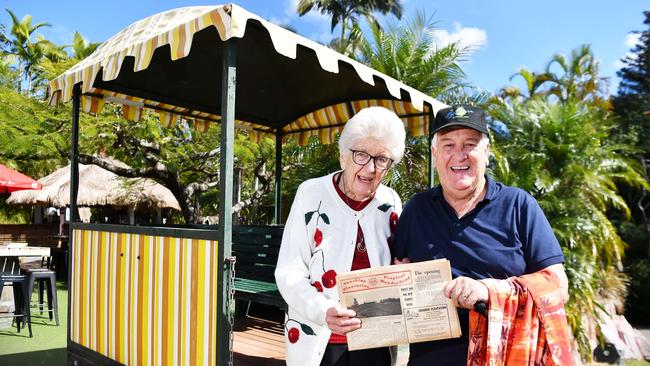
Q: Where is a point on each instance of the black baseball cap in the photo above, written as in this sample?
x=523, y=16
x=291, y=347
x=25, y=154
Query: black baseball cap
x=461, y=115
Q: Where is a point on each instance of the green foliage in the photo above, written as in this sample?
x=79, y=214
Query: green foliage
x=410, y=176
x=28, y=52
x=557, y=146
x=637, y=311
x=305, y=162
x=408, y=54
x=34, y=136
x=632, y=107
x=578, y=79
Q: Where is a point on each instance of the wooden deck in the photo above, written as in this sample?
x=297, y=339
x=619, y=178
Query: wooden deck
x=259, y=339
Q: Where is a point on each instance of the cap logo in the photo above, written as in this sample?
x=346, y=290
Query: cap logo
x=459, y=113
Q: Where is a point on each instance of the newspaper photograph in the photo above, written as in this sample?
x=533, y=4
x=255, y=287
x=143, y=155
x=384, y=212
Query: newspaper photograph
x=399, y=304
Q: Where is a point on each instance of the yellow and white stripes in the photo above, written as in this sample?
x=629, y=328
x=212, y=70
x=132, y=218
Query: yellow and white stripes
x=317, y=122
x=91, y=104
x=176, y=29
x=144, y=300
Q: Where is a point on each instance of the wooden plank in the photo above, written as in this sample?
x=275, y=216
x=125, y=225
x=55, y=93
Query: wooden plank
x=270, y=251
x=268, y=277
x=254, y=286
x=256, y=249
x=263, y=269
x=257, y=240
x=260, y=258
x=258, y=230
x=258, y=342
x=262, y=298
x=25, y=252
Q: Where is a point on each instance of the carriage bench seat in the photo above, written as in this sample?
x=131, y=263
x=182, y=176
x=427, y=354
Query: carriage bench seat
x=256, y=249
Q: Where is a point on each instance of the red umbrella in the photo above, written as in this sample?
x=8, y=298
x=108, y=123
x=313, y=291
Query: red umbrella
x=11, y=180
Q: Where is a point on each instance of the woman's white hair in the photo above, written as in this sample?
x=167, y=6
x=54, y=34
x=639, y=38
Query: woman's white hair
x=378, y=123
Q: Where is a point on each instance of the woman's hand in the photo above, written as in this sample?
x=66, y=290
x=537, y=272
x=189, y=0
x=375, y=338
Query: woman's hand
x=342, y=321
x=465, y=292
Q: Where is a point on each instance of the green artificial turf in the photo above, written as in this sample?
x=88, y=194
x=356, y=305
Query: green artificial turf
x=47, y=347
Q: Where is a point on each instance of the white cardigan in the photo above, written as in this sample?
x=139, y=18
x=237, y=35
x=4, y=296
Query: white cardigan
x=301, y=262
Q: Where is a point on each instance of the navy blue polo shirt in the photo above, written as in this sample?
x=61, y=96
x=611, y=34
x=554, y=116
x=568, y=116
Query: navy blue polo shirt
x=505, y=235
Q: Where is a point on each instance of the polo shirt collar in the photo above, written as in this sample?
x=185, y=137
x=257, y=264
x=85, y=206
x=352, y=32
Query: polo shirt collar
x=491, y=188
x=489, y=195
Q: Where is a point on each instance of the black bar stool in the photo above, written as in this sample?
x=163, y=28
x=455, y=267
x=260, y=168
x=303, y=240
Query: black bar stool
x=46, y=279
x=10, y=273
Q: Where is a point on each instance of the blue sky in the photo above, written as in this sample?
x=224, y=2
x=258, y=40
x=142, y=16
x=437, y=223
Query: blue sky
x=509, y=34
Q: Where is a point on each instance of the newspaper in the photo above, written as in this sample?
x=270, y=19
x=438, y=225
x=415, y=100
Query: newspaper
x=399, y=304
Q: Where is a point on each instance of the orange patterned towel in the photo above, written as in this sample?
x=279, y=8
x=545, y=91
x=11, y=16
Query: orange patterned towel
x=526, y=324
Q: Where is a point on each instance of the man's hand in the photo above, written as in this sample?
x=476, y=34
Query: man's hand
x=342, y=321
x=404, y=260
x=558, y=270
x=465, y=292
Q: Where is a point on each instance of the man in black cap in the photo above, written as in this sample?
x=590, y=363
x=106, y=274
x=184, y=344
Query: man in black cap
x=484, y=228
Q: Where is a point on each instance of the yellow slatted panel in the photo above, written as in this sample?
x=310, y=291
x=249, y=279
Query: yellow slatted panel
x=145, y=300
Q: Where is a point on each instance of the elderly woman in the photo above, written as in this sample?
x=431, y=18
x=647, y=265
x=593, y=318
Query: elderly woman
x=339, y=222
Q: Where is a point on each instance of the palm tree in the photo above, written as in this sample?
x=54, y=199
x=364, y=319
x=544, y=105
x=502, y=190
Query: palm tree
x=578, y=79
x=347, y=12
x=533, y=81
x=56, y=60
x=561, y=152
x=579, y=76
x=80, y=48
x=409, y=54
x=20, y=44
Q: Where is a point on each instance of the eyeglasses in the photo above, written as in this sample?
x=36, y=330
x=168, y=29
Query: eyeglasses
x=362, y=158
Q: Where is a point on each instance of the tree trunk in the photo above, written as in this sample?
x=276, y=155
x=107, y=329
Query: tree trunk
x=20, y=76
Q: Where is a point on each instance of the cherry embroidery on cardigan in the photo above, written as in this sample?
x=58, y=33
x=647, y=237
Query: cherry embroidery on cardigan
x=384, y=207
x=293, y=333
x=393, y=222
x=393, y=219
x=317, y=285
x=328, y=278
x=318, y=234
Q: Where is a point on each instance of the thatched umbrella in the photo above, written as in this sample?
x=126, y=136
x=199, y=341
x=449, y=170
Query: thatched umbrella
x=97, y=187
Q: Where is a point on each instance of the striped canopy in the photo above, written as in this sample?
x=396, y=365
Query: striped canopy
x=171, y=63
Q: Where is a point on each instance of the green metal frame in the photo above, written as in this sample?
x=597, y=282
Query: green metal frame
x=229, y=72
x=277, y=217
x=224, y=231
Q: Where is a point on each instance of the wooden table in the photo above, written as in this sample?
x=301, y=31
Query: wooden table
x=24, y=251
x=10, y=262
